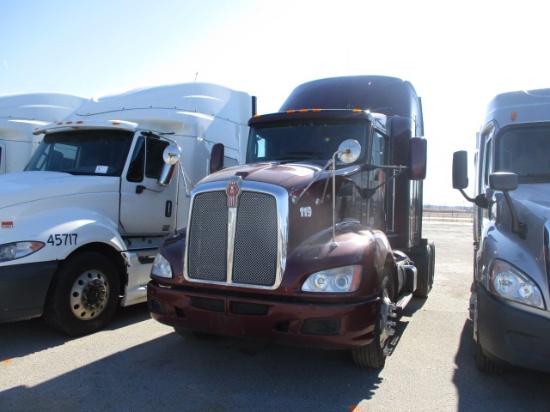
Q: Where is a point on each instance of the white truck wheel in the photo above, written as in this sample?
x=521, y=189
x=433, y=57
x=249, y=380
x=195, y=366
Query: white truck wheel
x=84, y=294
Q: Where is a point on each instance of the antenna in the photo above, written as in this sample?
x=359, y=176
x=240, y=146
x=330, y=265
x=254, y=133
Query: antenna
x=189, y=102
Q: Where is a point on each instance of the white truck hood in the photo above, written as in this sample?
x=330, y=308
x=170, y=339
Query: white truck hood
x=24, y=187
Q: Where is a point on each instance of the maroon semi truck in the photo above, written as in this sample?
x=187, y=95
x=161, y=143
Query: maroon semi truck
x=317, y=239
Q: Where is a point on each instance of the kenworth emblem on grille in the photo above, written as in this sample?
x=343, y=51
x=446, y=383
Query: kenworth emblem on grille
x=232, y=190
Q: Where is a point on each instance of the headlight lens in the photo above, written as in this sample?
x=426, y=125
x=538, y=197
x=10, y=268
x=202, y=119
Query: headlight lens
x=337, y=280
x=510, y=283
x=161, y=267
x=17, y=250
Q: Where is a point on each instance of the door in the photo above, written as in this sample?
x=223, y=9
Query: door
x=147, y=208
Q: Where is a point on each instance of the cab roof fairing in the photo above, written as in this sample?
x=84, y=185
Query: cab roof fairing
x=206, y=98
x=162, y=121
x=387, y=95
x=42, y=106
x=529, y=106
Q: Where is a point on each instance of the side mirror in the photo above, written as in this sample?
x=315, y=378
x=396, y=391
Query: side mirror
x=171, y=157
x=503, y=181
x=418, y=155
x=460, y=170
x=460, y=179
x=216, y=157
x=506, y=181
x=349, y=151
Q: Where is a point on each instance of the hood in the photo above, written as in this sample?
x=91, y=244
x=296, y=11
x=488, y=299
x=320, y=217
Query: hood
x=532, y=205
x=24, y=187
x=532, y=202
x=289, y=176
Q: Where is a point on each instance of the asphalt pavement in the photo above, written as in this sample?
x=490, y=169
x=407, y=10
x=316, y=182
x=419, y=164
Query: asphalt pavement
x=137, y=364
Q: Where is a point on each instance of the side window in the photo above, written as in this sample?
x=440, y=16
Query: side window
x=260, y=147
x=137, y=162
x=379, y=151
x=488, y=160
x=153, y=158
x=147, y=159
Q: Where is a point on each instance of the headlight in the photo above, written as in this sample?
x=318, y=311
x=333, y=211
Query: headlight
x=17, y=250
x=509, y=282
x=336, y=280
x=161, y=267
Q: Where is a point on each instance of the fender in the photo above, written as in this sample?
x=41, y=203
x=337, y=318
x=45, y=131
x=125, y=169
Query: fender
x=499, y=243
x=63, y=231
x=353, y=244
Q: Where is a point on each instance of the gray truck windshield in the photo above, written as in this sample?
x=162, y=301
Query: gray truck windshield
x=87, y=152
x=304, y=141
x=525, y=151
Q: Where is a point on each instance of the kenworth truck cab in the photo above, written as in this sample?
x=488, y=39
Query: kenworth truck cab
x=510, y=290
x=317, y=240
x=20, y=115
x=80, y=226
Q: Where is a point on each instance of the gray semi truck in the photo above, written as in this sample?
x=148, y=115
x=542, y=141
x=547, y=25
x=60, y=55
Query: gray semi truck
x=510, y=289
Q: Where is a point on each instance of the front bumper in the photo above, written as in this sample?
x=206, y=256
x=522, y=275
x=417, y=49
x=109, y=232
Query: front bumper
x=326, y=325
x=513, y=333
x=23, y=290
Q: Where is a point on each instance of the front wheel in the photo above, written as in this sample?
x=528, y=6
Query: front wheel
x=425, y=272
x=486, y=364
x=374, y=354
x=84, y=294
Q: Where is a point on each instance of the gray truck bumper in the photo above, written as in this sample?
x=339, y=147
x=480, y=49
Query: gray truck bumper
x=23, y=290
x=513, y=333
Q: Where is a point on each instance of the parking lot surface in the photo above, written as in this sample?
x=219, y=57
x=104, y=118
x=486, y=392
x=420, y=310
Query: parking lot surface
x=138, y=364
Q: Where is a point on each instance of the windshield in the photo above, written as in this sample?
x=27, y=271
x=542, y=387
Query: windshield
x=303, y=141
x=86, y=152
x=524, y=151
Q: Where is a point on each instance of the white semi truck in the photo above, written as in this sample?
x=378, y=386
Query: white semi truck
x=20, y=115
x=80, y=226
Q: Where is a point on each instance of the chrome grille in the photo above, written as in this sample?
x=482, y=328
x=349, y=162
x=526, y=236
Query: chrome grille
x=255, y=252
x=206, y=253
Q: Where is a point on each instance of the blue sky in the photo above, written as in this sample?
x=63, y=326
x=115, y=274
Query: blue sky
x=457, y=54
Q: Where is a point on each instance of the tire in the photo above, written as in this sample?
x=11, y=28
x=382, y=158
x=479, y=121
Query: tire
x=374, y=355
x=486, y=364
x=84, y=294
x=425, y=272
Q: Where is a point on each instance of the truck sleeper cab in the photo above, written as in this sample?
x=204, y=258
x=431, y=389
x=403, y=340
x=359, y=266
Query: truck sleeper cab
x=510, y=291
x=306, y=244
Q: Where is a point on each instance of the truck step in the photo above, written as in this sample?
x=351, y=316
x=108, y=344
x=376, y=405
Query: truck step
x=404, y=300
